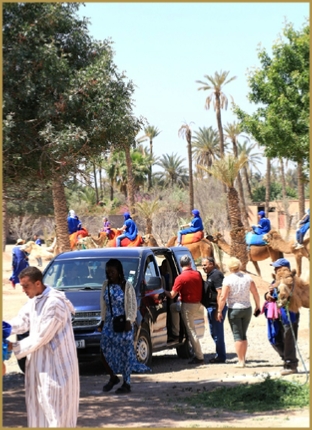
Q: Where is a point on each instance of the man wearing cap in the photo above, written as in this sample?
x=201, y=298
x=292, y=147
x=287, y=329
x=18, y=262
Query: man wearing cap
x=195, y=225
x=264, y=224
x=19, y=261
x=129, y=229
x=281, y=336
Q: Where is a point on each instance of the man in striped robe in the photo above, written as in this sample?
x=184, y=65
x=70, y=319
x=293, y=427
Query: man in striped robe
x=52, y=374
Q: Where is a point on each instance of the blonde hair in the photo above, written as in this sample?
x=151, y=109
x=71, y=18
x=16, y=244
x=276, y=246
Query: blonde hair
x=233, y=264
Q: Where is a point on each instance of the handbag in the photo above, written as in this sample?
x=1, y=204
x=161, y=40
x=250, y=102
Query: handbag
x=119, y=322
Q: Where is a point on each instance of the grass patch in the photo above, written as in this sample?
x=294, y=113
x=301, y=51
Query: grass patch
x=268, y=395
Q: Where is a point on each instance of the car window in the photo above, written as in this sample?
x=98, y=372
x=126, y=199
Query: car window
x=84, y=273
x=150, y=270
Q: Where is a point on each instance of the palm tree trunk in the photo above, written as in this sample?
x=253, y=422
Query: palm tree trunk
x=267, y=186
x=242, y=200
x=130, y=181
x=285, y=201
x=95, y=183
x=112, y=191
x=219, y=122
x=4, y=219
x=60, y=213
x=247, y=182
x=150, y=169
x=191, y=186
x=237, y=232
x=301, y=190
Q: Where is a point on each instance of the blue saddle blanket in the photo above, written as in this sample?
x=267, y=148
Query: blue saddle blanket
x=254, y=239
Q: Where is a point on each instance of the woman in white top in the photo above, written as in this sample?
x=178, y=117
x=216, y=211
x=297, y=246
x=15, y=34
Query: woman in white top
x=236, y=289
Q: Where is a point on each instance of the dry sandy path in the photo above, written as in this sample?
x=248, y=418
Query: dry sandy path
x=157, y=398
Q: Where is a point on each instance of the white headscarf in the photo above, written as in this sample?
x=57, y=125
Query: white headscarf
x=72, y=214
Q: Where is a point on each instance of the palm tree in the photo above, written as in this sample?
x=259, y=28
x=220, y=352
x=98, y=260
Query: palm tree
x=220, y=101
x=150, y=132
x=185, y=131
x=226, y=170
x=206, y=147
x=253, y=160
x=232, y=132
x=146, y=209
x=173, y=170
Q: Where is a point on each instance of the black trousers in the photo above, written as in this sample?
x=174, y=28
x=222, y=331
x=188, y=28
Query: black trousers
x=285, y=343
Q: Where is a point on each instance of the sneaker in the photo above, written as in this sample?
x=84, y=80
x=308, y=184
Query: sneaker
x=196, y=360
x=240, y=364
x=289, y=371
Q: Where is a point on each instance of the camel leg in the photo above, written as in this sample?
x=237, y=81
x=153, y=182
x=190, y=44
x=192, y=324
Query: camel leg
x=298, y=263
x=255, y=263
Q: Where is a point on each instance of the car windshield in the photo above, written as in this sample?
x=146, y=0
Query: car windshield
x=85, y=273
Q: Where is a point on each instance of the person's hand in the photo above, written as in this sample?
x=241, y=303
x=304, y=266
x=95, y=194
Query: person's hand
x=219, y=316
x=10, y=346
x=128, y=326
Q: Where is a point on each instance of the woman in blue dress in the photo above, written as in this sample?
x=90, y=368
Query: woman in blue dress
x=118, y=354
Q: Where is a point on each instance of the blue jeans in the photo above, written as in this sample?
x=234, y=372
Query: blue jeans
x=217, y=332
x=119, y=239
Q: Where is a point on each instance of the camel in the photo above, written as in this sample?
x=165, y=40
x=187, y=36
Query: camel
x=201, y=249
x=292, y=289
x=37, y=251
x=277, y=243
x=255, y=253
x=149, y=240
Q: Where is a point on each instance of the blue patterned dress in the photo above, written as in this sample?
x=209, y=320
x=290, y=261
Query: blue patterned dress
x=118, y=348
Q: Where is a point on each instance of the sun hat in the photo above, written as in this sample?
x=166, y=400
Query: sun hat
x=20, y=241
x=281, y=262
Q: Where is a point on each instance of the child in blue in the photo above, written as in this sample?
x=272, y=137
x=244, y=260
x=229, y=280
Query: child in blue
x=195, y=225
x=264, y=224
x=129, y=229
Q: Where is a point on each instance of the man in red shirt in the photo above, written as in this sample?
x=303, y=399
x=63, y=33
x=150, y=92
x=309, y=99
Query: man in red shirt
x=189, y=285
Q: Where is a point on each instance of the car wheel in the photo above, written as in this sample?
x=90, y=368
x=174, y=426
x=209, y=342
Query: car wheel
x=22, y=363
x=185, y=350
x=143, y=348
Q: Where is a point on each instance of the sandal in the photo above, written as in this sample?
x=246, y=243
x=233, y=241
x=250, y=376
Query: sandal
x=111, y=383
x=124, y=389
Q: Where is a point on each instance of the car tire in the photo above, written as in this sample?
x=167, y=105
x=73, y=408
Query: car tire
x=143, y=348
x=185, y=350
x=22, y=364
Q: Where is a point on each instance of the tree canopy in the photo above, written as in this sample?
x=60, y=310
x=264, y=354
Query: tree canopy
x=281, y=89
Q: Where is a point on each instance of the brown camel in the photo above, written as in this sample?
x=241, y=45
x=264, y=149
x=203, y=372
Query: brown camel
x=277, y=243
x=292, y=288
x=37, y=251
x=201, y=249
x=255, y=253
x=149, y=240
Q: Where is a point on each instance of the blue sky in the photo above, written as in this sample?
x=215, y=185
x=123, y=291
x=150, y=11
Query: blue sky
x=165, y=47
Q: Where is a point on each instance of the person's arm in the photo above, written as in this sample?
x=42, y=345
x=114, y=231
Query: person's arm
x=255, y=293
x=123, y=228
x=171, y=294
x=221, y=303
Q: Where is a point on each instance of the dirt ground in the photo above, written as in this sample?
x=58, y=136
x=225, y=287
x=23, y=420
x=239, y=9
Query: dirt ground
x=156, y=399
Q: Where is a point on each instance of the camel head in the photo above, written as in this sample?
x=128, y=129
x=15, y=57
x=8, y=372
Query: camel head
x=285, y=290
x=291, y=291
x=214, y=238
x=149, y=240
